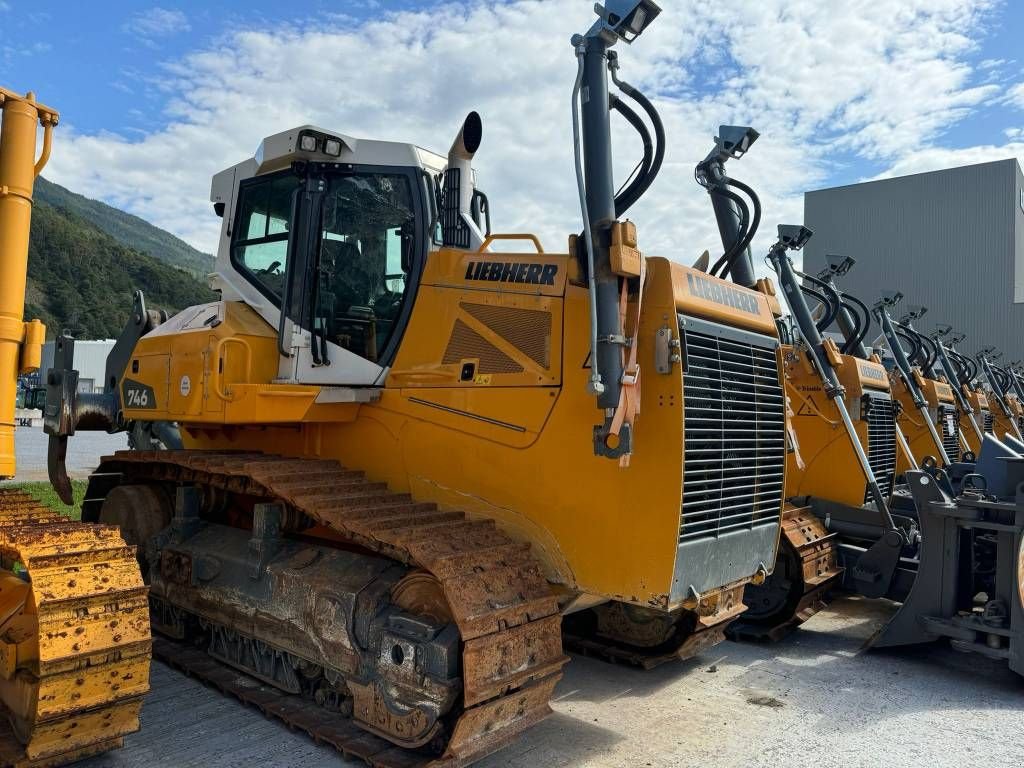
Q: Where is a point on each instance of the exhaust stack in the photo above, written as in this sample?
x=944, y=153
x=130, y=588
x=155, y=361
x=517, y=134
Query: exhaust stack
x=459, y=229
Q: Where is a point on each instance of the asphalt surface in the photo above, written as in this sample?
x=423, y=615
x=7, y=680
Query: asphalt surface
x=84, y=452
x=815, y=700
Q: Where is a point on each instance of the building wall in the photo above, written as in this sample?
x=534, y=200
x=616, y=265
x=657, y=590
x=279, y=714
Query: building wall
x=952, y=240
x=1018, y=217
x=90, y=361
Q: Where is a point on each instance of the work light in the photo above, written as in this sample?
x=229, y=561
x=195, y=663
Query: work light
x=624, y=19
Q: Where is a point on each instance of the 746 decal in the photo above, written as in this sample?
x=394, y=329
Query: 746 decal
x=138, y=396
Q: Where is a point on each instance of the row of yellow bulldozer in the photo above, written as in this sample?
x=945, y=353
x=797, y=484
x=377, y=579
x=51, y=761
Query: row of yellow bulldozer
x=381, y=483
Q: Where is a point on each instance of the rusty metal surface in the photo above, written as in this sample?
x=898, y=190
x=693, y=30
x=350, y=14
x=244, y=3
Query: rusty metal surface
x=497, y=594
x=648, y=638
x=74, y=636
x=810, y=546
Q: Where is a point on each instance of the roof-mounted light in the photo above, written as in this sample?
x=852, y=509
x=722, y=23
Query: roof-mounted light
x=624, y=19
x=314, y=141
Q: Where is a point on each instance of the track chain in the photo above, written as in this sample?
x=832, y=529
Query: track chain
x=500, y=600
x=812, y=549
x=74, y=636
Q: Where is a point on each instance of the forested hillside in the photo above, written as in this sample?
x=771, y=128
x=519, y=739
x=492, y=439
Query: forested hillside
x=81, y=279
x=127, y=229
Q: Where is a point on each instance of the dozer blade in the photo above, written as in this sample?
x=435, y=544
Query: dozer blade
x=971, y=546
x=74, y=636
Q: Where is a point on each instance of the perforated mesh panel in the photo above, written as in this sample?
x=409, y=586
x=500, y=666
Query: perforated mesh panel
x=987, y=419
x=735, y=447
x=467, y=343
x=528, y=330
x=880, y=413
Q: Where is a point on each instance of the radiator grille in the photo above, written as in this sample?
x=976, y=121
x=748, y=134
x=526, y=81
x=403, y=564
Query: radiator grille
x=879, y=411
x=987, y=419
x=734, y=427
x=950, y=437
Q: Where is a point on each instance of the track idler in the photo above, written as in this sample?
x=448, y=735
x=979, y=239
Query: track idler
x=805, y=570
x=644, y=637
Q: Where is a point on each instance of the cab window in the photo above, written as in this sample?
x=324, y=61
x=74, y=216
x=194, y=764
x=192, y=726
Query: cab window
x=260, y=245
x=368, y=238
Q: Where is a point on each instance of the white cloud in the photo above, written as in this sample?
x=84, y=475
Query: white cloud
x=156, y=22
x=1015, y=96
x=874, y=79
x=937, y=158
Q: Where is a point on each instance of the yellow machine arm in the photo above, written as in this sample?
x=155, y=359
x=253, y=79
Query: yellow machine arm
x=20, y=342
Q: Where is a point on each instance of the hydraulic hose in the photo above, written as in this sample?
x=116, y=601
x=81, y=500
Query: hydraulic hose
x=625, y=199
x=915, y=346
x=855, y=332
x=830, y=309
x=864, y=321
x=755, y=221
x=659, y=137
x=829, y=297
x=930, y=351
x=725, y=260
x=969, y=367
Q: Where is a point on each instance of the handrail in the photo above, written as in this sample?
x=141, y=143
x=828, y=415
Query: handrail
x=514, y=236
x=215, y=374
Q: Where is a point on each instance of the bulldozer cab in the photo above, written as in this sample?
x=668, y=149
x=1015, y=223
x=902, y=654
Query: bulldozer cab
x=325, y=238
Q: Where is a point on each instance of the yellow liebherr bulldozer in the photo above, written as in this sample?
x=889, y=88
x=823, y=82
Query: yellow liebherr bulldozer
x=393, y=457
x=74, y=622
x=946, y=540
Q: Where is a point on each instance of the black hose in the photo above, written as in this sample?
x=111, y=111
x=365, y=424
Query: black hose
x=960, y=364
x=930, y=350
x=865, y=326
x=915, y=346
x=625, y=199
x=970, y=366
x=726, y=258
x=831, y=296
x=1001, y=377
x=850, y=342
x=925, y=346
x=830, y=315
x=755, y=221
x=659, y=134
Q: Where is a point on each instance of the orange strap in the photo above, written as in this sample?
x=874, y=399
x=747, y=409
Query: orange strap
x=629, y=393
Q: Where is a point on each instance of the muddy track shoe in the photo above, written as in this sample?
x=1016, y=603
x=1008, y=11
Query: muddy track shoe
x=805, y=570
x=629, y=634
x=456, y=571
x=74, y=636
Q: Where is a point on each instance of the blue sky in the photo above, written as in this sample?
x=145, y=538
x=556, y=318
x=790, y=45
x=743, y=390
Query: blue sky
x=156, y=97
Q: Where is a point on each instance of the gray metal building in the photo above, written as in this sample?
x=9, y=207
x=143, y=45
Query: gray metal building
x=952, y=240
x=90, y=360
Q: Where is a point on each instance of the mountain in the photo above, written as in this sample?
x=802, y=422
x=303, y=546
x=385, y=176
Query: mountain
x=126, y=229
x=81, y=277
